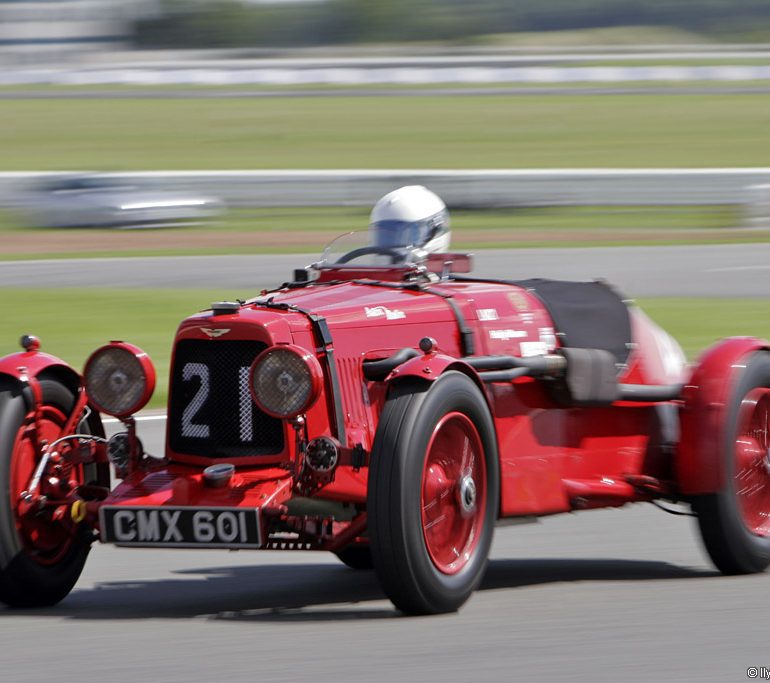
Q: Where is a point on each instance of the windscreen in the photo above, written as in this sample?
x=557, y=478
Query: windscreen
x=400, y=233
x=355, y=250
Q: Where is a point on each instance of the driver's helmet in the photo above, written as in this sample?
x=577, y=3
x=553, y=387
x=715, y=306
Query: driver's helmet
x=411, y=216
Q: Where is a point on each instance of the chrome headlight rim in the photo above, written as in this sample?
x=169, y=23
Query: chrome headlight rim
x=312, y=378
x=139, y=364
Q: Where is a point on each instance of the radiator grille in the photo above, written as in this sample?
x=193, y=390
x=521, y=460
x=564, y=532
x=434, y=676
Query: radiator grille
x=210, y=410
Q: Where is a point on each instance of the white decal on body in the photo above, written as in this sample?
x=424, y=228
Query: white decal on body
x=548, y=337
x=533, y=348
x=383, y=312
x=487, y=314
x=505, y=335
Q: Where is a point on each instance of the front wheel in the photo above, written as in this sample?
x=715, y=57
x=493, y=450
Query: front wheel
x=41, y=558
x=433, y=494
x=735, y=522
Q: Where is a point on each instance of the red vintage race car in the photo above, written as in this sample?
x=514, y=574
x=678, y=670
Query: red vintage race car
x=392, y=414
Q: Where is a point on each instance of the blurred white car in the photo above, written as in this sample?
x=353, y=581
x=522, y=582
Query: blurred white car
x=90, y=201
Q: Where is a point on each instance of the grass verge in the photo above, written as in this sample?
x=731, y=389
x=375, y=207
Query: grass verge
x=639, y=130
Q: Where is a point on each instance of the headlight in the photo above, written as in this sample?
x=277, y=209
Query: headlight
x=285, y=380
x=119, y=379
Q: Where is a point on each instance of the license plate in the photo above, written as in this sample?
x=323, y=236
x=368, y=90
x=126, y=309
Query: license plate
x=181, y=527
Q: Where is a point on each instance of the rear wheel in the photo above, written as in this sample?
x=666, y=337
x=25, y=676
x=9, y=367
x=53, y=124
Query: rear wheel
x=735, y=522
x=433, y=494
x=41, y=558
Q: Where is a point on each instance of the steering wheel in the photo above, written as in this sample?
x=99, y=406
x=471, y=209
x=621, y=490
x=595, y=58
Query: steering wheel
x=396, y=256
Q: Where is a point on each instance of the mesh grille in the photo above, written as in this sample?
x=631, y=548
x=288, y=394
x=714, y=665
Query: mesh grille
x=210, y=410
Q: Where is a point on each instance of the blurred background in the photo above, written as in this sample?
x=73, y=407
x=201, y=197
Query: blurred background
x=164, y=128
x=259, y=127
x=157, y=155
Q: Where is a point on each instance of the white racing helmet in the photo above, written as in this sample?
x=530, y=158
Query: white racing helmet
x=411, y=216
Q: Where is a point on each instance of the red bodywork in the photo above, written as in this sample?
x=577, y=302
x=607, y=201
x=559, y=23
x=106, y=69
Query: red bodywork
x=553, y=457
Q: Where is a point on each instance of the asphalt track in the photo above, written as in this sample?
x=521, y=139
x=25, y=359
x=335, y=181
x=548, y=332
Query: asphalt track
x=725, y=270
x=603, y=595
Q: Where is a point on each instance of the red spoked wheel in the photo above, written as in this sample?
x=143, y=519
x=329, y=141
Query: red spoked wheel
x=752, y=461
x=735, y=521
x=453, y=493
x=41, y=553
x=433, y=493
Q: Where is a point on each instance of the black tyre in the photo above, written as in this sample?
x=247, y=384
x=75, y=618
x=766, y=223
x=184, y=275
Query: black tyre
x=735, y=522
x=356, y=557
x=433, y=494
x=40, y=559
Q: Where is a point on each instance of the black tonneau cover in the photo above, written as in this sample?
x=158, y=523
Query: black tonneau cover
x=586, y=315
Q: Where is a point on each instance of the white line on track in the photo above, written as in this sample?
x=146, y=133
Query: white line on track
x=727, y=269
x=140, y=418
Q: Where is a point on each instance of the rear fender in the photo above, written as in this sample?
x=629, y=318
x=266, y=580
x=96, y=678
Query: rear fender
x=699, y=463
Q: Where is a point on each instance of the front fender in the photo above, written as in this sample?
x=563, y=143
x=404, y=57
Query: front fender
x=430, y=367
x=699, y=461
x=24, y=366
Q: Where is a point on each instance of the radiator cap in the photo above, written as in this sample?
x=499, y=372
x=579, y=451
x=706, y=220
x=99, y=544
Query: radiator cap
x=218, y=476
x=225, y=307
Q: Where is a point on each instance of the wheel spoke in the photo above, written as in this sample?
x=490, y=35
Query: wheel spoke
x=438, y=520
x=748, y=454
x=468, y=457
x=762, y=435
